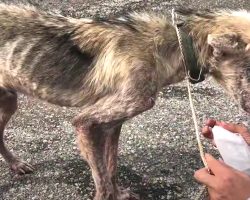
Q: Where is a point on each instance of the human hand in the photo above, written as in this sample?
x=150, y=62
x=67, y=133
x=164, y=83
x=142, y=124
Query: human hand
x=225, y=183
x=235, y=128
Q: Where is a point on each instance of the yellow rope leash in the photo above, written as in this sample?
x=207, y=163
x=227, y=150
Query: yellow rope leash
x=200, y=146
x=190, y=94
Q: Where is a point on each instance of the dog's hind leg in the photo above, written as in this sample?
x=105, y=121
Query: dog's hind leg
x=98, y=129
x=8, y=106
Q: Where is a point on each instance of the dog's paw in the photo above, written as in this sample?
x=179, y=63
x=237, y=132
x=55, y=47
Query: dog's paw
x=126, y=194
x=20, y=167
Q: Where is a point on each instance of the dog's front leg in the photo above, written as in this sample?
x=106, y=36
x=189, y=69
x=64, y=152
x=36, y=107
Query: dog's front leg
x=98, y=129
x=111, y=150
x=91, y=141
x=111, y=154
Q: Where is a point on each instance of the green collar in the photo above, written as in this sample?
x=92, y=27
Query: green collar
x=195, y=71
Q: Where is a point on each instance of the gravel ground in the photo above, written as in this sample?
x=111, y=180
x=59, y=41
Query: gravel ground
x=158, y=151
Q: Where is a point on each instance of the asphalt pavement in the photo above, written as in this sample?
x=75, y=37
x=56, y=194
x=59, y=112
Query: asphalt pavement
x=158, y=151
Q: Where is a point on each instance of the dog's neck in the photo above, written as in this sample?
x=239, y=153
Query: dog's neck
x=171, y=59
x=195, y=49
x=192, y=66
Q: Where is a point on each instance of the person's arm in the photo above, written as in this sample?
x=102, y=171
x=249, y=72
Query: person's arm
x=225, y=183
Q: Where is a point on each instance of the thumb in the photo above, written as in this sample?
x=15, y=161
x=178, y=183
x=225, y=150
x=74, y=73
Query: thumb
x=216, y=166
x=203, y=176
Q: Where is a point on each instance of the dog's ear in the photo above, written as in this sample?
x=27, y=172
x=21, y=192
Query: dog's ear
x=224, y=43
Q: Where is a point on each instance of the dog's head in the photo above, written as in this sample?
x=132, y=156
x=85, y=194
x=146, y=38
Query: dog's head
x=223, y=42
x=230, y=64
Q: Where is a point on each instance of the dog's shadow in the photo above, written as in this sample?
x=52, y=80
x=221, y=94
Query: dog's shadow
x=75, y=172
x=128, y=178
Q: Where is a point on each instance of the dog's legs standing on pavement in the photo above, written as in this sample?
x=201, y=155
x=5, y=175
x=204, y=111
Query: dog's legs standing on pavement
x=98, y=129
x=8, y=106
x=111, y=149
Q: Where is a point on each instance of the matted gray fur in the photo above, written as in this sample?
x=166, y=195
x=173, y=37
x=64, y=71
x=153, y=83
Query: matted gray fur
x=112, y=69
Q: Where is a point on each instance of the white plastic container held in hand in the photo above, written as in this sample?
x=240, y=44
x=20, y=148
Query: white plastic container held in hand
x=233, y=149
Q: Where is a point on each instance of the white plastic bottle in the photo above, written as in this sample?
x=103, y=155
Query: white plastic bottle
x=233, y=149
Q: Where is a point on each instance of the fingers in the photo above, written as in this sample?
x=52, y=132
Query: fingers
x=207, y=132
x=235, y=128
x=238, y=128
x=217, y=167
x=211, y=122
x=207, y=129
x=204, y=177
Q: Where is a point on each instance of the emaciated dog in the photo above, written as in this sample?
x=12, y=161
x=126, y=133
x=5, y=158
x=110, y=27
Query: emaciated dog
x=112, y=69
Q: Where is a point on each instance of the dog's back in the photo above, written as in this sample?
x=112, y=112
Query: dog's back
x=38, y=57
x=66, y=61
